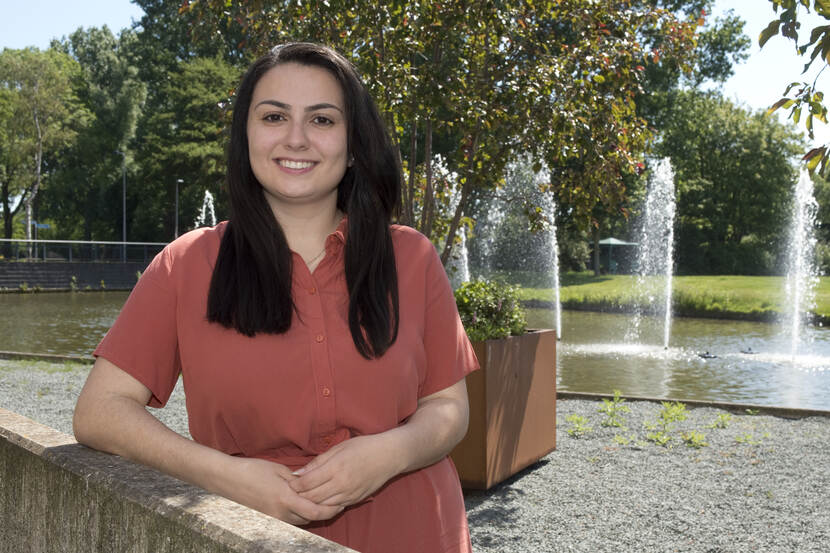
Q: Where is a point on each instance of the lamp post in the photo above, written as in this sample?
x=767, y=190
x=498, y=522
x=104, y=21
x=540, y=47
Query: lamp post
x=176, y=232
x=123, y=205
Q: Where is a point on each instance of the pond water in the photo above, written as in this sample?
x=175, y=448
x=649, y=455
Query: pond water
x=592, y=354
x=747, y=362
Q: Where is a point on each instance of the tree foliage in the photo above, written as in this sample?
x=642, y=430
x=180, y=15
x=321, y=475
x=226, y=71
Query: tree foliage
x=803, y=98
x=733, y=179
x=494, y=79
x=86, y=195
x=36, y=98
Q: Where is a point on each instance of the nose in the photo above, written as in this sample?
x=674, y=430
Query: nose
x=296, y=138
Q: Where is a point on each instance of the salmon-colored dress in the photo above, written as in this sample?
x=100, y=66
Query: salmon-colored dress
x=292, y=396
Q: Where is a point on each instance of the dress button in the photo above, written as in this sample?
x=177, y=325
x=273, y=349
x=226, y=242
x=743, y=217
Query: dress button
x=320, y=338
x=326, y=392
x=312, y=290
x=327, y=440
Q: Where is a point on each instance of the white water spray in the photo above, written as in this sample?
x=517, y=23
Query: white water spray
x=802, y=273
x=656, y=252
x=207, y=216
x=550, y=208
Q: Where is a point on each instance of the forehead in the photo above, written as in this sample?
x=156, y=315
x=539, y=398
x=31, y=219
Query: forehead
x=298, y=85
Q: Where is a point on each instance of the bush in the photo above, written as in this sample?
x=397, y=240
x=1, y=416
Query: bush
x=490, y=310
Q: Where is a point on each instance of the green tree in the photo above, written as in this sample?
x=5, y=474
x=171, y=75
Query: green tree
x=36, y=101
x=183, y=137
x=496, y=79
x=803, y=97
x=734, y=177
x=86, y=197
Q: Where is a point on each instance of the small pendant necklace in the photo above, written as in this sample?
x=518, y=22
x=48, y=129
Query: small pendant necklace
x=316, y=257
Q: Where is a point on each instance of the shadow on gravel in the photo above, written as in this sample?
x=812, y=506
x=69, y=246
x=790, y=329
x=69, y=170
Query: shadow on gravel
x=497, y=497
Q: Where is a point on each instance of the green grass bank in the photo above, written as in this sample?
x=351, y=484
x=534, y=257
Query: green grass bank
x=758, y=298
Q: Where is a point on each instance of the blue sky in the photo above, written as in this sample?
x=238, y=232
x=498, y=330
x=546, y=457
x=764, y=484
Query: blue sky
x=757, y=83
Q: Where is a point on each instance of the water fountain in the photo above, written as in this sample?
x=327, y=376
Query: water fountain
x=655, y=259
x=802, y=273
x=207, y=216
x=550, y=208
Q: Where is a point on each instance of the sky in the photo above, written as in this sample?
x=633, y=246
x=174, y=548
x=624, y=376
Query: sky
x=757, y=83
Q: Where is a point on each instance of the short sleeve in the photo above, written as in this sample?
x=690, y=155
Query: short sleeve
x=449, y=353
x=143, y=341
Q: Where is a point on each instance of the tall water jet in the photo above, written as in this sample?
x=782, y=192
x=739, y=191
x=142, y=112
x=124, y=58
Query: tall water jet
x=550, y=208
x=655, y=260
x=802, y=273
x=207, y=215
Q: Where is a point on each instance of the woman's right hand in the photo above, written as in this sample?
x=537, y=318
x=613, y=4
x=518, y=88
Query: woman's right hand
x=264, y=486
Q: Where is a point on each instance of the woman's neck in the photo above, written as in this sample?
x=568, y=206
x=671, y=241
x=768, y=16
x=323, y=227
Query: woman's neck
x=306, y=231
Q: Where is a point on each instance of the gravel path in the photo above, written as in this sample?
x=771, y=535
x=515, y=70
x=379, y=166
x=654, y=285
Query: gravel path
x=761, y=484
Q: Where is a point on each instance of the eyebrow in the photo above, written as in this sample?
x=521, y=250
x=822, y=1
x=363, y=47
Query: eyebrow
x=315, y=107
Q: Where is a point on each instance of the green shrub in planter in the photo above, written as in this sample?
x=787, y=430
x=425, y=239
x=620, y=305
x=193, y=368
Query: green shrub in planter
x=490, y=310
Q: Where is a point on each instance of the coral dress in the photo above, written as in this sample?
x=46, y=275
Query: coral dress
x=292, y=396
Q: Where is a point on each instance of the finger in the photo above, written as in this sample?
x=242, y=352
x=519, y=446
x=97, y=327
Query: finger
x=309, y=510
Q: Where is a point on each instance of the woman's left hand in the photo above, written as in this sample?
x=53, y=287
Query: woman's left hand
x=347, y=473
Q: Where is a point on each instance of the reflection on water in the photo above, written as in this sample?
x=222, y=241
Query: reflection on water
x=592, y=355
x=594, y=358
x=57, y=323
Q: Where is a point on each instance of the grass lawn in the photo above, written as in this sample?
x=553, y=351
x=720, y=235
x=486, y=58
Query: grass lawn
x=753, y=297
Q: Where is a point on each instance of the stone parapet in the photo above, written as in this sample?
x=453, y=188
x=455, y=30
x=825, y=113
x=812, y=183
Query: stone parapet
x=59, y=496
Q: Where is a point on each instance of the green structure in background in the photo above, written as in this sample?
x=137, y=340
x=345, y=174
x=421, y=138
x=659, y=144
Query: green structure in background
x=609, y=244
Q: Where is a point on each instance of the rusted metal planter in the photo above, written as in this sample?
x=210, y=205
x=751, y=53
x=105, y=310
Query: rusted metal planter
x=512, y=408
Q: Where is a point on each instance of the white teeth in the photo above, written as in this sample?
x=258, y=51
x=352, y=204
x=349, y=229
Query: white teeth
x=287, y=163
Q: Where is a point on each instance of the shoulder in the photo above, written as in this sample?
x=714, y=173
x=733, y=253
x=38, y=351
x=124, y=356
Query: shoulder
x=194, y=249
x=408, y=241
x=414, y=252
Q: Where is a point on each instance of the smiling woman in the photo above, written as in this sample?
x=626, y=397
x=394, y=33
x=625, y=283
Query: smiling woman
x=321, y=352
x=297, y=139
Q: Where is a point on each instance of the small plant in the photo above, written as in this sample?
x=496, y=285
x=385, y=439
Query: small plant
x=579, y=425
x=137, y=275
x=87, y=287
x=23, y=286
x=752, y=412
x=747, y=439
x=103, y=284
x=613, y=409
x=722, y=421
x=694, y=439
x=490, y=310
x=73, y=283
x=659, y=431
x=659, y=437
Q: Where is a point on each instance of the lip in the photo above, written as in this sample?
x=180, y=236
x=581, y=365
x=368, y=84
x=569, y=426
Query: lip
x=295, y=166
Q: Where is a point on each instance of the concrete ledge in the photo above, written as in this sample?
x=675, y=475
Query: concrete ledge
x=59, y=496
x=743, y=408
x=51, y=358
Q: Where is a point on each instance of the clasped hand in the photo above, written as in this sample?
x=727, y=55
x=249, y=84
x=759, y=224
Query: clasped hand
x=347, y=473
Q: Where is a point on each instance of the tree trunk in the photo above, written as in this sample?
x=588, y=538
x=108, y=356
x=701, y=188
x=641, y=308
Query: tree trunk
x=426, y=213
x=409, y=208
x=596, y=251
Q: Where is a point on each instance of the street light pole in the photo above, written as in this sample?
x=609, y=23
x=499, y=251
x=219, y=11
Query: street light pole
x=123, y=205
x=176, y=233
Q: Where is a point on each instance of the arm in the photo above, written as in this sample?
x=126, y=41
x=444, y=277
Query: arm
x=352, y=470
x=111, y=416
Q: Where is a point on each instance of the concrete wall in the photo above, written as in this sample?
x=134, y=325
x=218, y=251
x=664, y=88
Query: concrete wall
x=59, y=496
x=58, y=274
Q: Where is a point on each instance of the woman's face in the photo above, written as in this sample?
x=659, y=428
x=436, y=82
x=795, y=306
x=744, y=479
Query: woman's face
x=297, y=141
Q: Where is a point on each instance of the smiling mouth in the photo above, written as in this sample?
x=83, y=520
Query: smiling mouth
x=290, y=164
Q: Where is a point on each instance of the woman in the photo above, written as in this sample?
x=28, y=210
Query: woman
x=321, y=351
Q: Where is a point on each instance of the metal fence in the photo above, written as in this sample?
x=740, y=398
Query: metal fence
x=77, y=250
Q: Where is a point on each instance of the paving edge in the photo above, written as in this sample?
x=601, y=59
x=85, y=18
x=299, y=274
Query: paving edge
x=744, y=408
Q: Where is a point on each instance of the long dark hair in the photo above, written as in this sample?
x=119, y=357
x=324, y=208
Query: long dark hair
x=250, y=290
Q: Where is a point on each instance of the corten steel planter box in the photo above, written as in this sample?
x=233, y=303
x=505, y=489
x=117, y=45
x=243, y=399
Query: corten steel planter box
x=512, y=408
